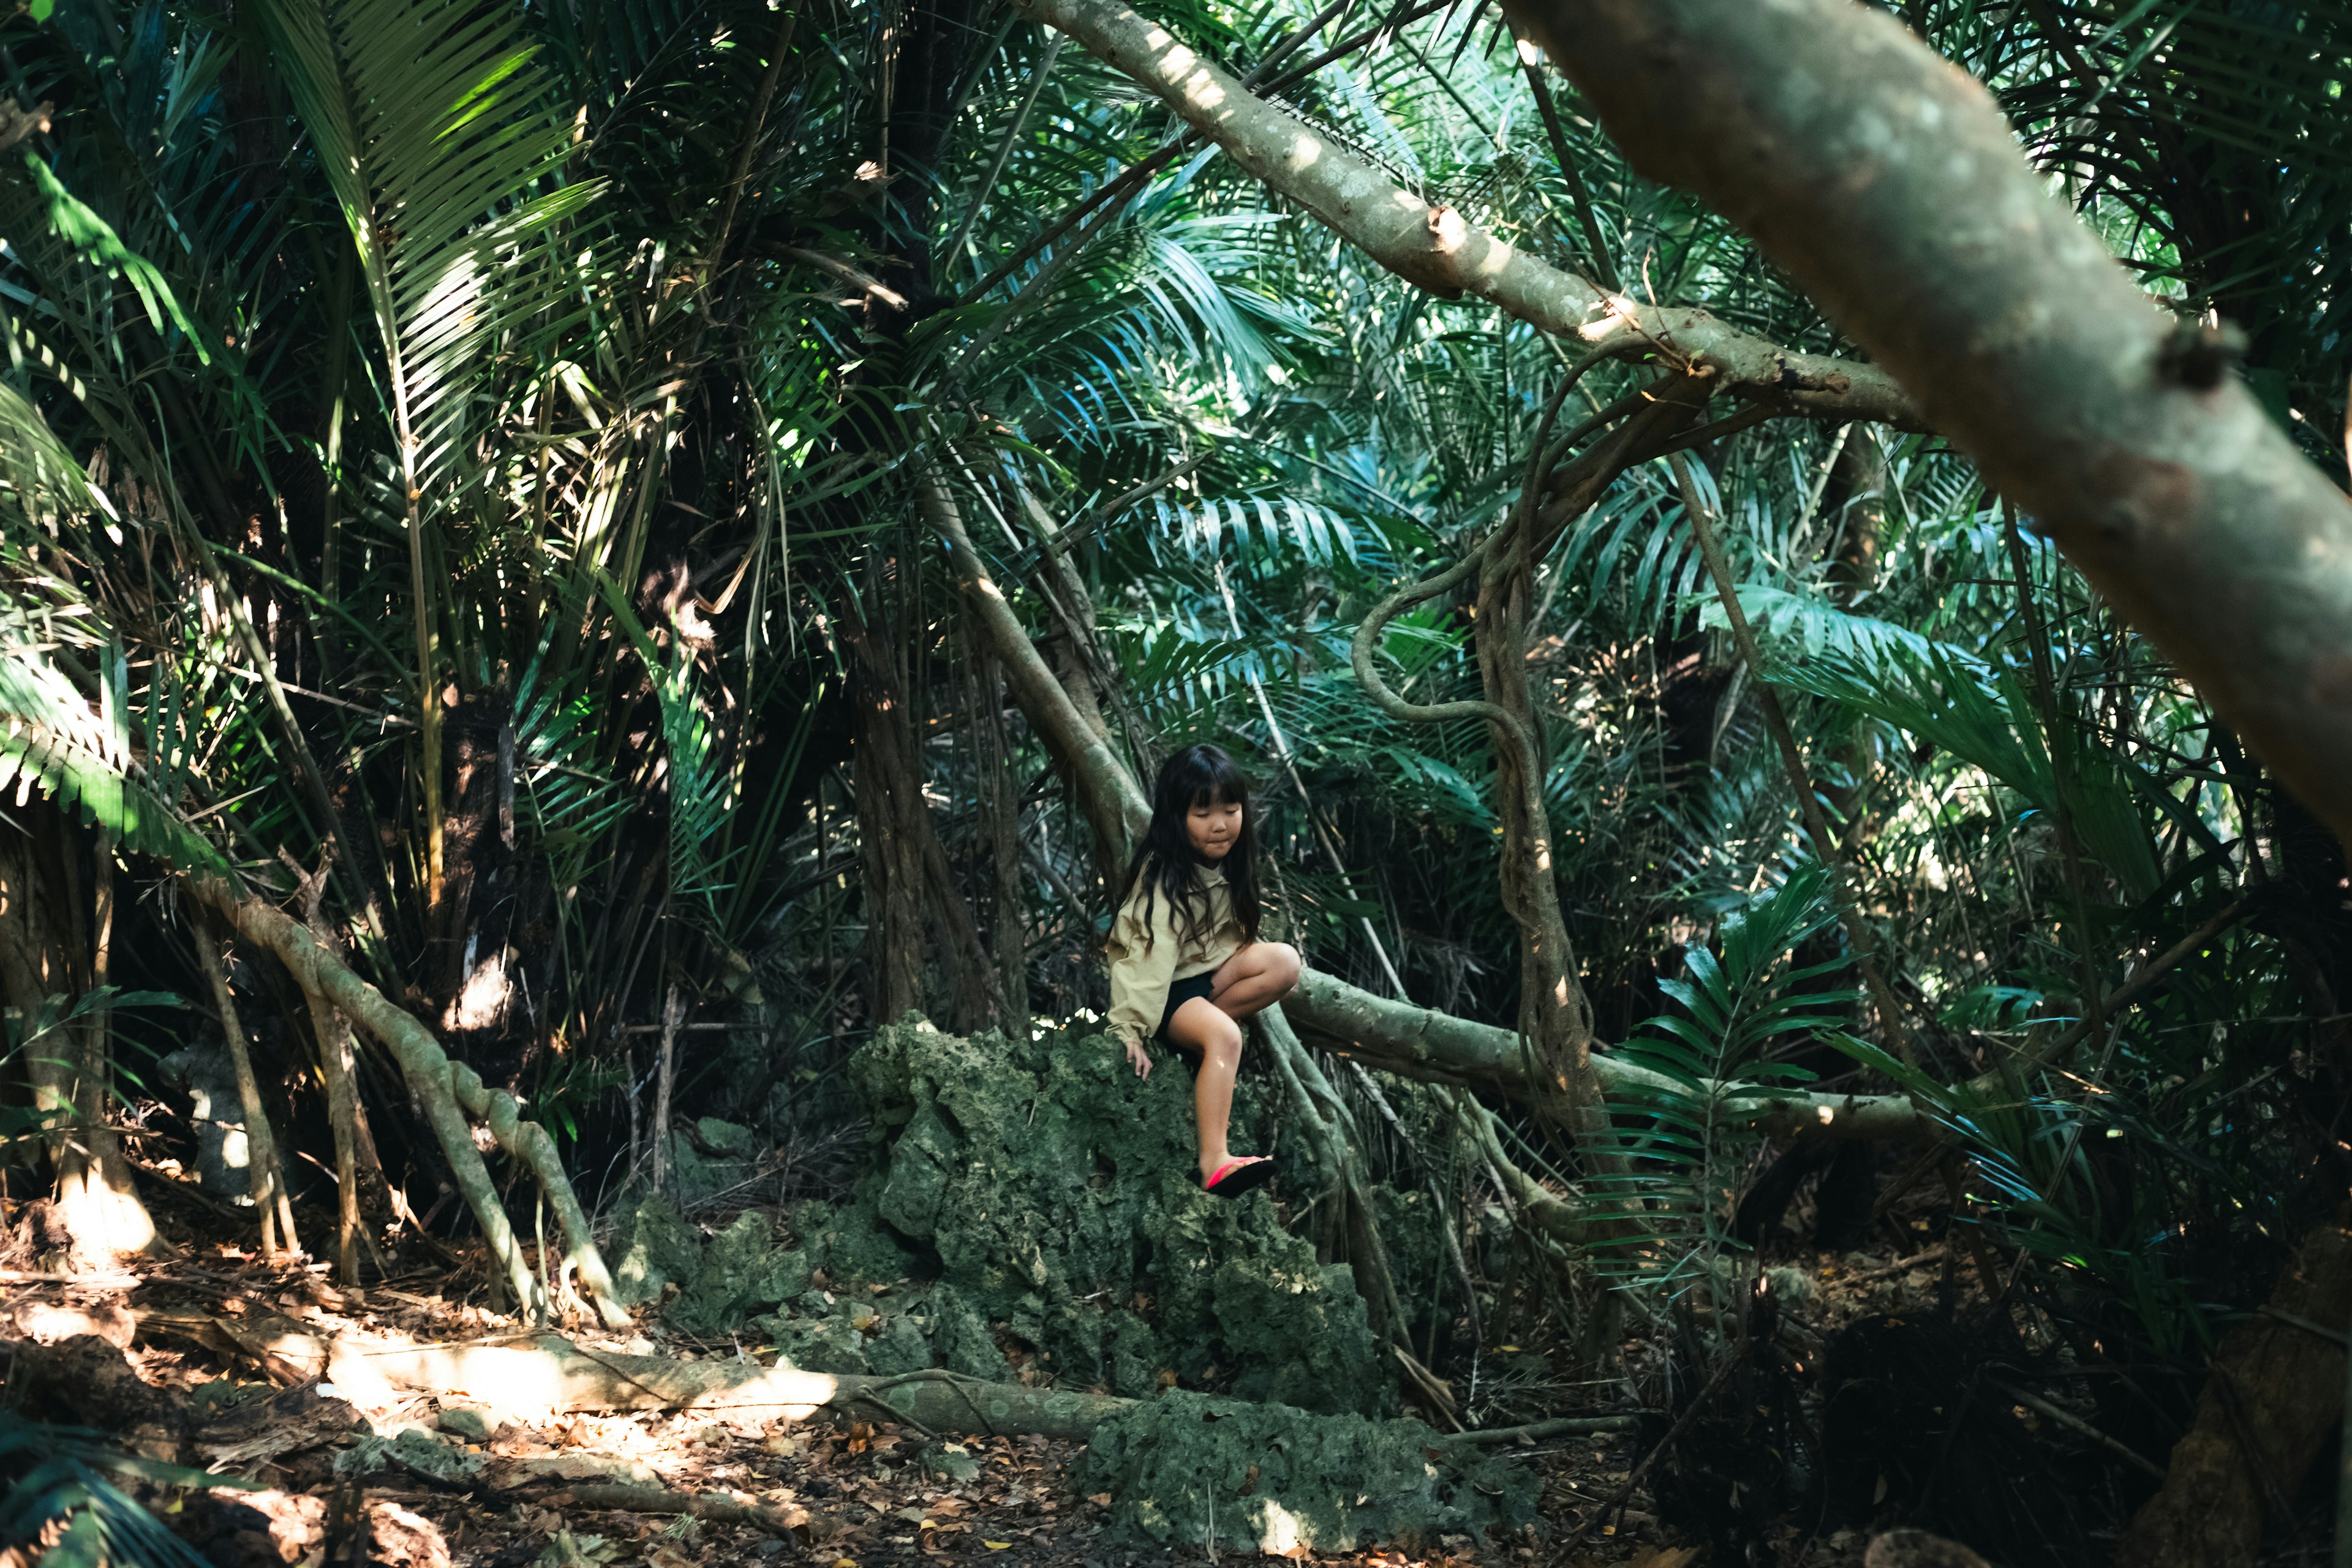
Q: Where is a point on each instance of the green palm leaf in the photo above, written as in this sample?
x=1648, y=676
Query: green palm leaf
x=443, y=144
x=79, y=753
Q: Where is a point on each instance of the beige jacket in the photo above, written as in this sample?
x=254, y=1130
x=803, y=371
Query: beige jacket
x=1141, y=972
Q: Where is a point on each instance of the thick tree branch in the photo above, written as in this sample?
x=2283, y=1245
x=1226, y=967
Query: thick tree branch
x=1438, y=248
x=1438, y=1047
x=1888, y=185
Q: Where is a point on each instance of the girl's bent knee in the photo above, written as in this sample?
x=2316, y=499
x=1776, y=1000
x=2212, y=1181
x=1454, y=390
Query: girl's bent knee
x=1225, y=1042
x=1283, y=965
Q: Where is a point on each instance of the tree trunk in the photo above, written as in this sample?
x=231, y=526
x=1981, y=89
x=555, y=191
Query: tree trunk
x=891, y=860
x=44, y=954
x=265, y=1178
x=1107, y=792
x=909, y=886
x=1891, y=188
x=2274, y=1396
x=1001, y=801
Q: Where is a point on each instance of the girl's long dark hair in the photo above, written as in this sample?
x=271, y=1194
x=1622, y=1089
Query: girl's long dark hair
x=1165, y=864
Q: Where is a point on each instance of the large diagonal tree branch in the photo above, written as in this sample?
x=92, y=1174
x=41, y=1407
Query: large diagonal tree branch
x=1438, y=248
x=1887, y=183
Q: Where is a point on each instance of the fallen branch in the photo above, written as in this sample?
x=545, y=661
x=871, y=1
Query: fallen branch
x=1537, y=1431
x=2077, y=1426
x=1900, y=1265
x=553, y=1373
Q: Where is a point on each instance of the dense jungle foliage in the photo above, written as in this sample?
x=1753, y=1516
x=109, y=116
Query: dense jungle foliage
x=474, y=482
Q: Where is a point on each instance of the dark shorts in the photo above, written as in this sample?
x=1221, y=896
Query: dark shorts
x=1180, y=992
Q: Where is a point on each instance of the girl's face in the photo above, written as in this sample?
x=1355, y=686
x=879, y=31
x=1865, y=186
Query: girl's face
x=1214, y=828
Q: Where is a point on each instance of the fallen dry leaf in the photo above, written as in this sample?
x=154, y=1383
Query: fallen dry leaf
x=1665, y=1557
x=405, y=1540
x=48, y=1324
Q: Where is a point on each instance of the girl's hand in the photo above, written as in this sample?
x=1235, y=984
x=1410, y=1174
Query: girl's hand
x=1141, y=1059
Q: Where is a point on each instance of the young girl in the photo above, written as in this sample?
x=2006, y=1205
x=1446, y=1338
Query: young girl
x=1186, y=967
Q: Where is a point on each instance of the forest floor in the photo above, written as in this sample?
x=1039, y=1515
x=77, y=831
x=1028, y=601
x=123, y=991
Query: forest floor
x=854, y=1496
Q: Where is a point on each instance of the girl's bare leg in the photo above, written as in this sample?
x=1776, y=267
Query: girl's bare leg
x=1256, y=978
x=1204, y=1026
x=1251, y=981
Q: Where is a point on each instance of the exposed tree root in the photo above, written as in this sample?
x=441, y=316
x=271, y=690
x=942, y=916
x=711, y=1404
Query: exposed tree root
x=448, y=1092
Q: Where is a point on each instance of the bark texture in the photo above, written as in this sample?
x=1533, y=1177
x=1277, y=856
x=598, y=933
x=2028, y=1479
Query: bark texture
x=909, y=886
x=891, y=812
x=2274, y=1397
x=43, y=953
x=1438, y=248
x=1887, y=183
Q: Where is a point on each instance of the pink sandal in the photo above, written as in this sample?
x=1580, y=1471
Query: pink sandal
x=1237, y=1177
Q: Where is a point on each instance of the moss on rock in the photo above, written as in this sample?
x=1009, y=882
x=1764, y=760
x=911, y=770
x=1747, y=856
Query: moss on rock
x=1038, y=1194
x=653, y=1246
x=742, y=1272
x=1185, y=1470
x=1035, y=1192
x=1056, y=1189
